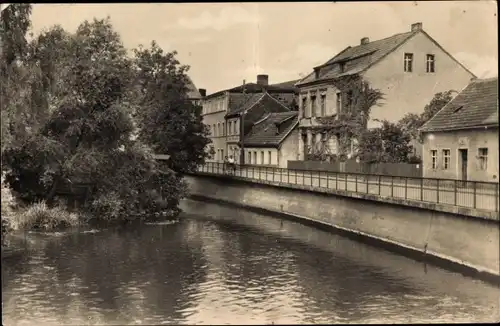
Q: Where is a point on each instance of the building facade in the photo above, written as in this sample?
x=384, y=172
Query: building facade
x=408, y=68
x=273, y=140
x=230, y=113
x=461, y=140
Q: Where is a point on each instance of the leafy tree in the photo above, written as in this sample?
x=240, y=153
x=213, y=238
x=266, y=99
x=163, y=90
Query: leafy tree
x=88, y=82
x=386, y=144
x=14, y=25
x=411, y=121
x=167, y=120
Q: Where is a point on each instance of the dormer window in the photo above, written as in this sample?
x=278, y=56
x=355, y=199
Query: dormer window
x=316, y=73
x=342, y=66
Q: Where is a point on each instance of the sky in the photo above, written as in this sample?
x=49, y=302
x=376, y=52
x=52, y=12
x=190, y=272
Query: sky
x=226, y=43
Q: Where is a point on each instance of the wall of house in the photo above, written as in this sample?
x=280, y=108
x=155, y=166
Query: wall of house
x=289, y=150
x=471, y=140
x=214, y=111
x=410, y=91
x=270, y=156
x=452, y=238
x=308, y=120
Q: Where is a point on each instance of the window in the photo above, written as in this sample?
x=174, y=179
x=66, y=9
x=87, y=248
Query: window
x=262, y=157
x=339, y=102
x=483, y=158
x=223, y=130
x=230, y=128
x=236, y=127
x=342, y=66
x=313, y=106
x=408, y=62
x=255, y=157
x=323, y=105
x=446, y=159
x=249, y=157
x=269, y=158
x=349, y=99
x=222, y=154
x=434, y=154
x=430, y=63
x=304, y=106
x=218, y=129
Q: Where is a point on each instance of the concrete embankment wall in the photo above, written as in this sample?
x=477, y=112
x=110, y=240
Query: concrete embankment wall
x=467, y=243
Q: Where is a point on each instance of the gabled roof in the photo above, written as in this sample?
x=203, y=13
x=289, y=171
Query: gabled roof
x=475, y=106
x=239, y=103
x=359, y=58
x=272, y=130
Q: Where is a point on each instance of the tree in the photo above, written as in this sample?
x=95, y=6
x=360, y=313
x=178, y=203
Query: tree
x=358, y=98
x=167, y=120
x=386, y=144
x=411, y=122
x=14, y=25
x=88, y=135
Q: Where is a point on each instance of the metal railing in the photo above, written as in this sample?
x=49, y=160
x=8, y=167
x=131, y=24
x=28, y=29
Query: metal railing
x=471, y=194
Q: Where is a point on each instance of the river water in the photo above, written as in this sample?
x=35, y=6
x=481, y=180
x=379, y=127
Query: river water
x=220, y=265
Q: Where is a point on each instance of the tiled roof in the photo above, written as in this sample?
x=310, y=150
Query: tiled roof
x=192, y=92
x=475, y=106
x=240, y=102
x=285, y=87
x=358, y=58
x=272, y=130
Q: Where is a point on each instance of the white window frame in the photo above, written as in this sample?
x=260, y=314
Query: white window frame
x=430, y=62
x=446, y=158
x=482, y=159
x=434, y=159
x=408, y=62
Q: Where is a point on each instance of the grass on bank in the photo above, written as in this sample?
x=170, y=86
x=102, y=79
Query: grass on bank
x=38, y=216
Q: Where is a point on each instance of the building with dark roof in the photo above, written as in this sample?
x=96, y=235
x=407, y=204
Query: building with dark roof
x=408, y=68
x=461, y=140
x=272, y=141
x=230, y=113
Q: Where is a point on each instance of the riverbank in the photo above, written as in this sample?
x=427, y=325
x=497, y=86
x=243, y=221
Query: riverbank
x=464, y=244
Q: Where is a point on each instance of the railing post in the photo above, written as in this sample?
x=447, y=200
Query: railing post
x=392, y=186
x=356, y=183
x=437, y=192
x=336, y=181
x=273, y=174
x=406, y=187
x=303, y=178
x=475, y=190
x=455, y=191
x=367, y=183
x=421, y=189
x=319, y=179
x=497, y=195
x=345, y=178
x=327, y=180
x=379, y=184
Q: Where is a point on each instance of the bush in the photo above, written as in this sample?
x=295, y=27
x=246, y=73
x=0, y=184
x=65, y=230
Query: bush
x=41, y=217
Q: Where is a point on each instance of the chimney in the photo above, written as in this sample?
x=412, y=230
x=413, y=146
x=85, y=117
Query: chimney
x=203, y=92
x=263, y=80
x=365, y=40
x=416, y=27
x=316, y=72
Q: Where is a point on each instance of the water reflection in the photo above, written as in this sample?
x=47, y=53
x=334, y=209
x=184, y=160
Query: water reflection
x=229, y=267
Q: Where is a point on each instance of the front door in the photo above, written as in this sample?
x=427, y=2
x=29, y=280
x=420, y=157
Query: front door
x=463, y=163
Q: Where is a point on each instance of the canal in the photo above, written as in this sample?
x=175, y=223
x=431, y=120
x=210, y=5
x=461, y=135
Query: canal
x=221, y=265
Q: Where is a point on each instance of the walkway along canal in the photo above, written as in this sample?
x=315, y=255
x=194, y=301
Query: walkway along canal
x=461, y=238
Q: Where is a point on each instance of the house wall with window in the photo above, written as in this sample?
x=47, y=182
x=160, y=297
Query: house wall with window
x=442, y=156
x=410, y=91
x=214, y=110
x=274, y=157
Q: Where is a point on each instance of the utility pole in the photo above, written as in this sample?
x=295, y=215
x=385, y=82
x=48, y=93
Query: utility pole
x=242, y=128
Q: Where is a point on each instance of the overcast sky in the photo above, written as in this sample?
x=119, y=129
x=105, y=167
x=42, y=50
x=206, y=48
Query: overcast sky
x=226, y=43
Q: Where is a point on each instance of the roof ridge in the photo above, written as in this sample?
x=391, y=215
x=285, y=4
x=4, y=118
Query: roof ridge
x=484, y=80
x=283, y=105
